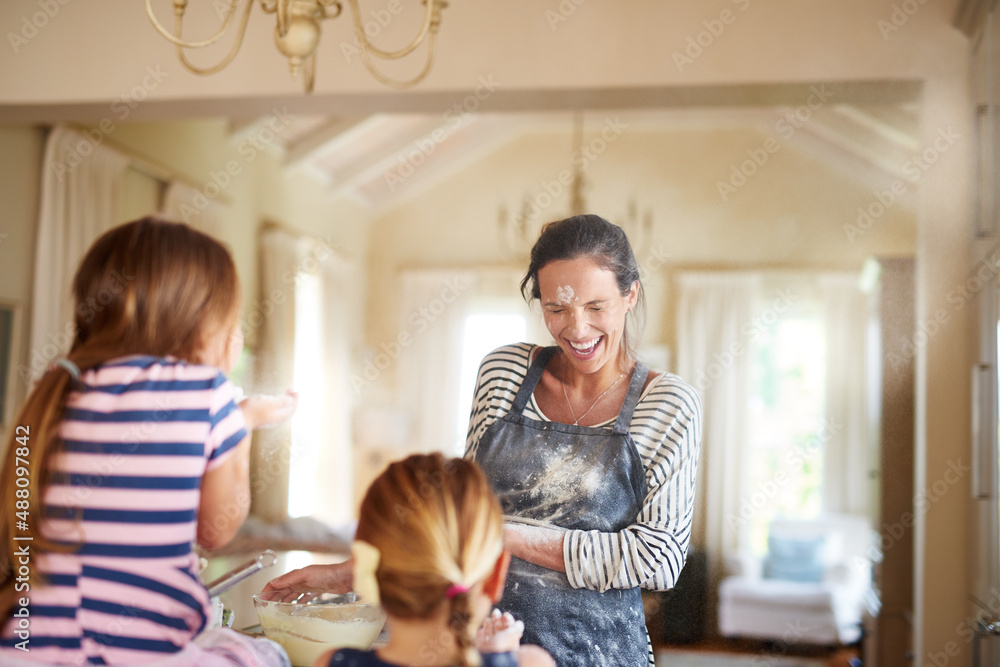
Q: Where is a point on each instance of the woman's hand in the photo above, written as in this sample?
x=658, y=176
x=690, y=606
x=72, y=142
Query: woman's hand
x=261, y=410
x=535, y=544
x=306, y=583
x=499, y=633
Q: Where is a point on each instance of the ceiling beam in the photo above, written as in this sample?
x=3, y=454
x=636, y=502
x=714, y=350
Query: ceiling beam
x=325, y=138
x=376, y=162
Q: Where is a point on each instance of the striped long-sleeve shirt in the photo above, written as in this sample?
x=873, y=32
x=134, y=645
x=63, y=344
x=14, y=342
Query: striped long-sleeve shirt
x=666, y=428
x=137, y=435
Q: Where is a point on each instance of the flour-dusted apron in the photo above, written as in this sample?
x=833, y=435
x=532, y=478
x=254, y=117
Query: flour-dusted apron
x=576, y=478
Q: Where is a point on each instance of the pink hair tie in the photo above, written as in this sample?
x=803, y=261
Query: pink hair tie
x=454, y=590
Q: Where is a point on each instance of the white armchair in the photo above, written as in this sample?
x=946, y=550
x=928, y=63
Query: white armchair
x=811, y=588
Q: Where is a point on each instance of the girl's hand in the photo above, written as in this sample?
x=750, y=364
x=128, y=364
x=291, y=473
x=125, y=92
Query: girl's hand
x=499, y=633
x=262, y=410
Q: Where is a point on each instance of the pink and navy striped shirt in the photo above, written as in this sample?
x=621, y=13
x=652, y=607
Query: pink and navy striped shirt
x=137, y=435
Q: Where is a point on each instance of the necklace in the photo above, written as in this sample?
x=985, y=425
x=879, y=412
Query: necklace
x=576, y=420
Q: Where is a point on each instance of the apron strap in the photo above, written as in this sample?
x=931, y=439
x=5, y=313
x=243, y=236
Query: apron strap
x=535, y=374
x=530, y=380
x=631, y=399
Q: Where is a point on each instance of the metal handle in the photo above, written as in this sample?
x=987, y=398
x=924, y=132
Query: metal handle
x=983, y=435
x=230, y=579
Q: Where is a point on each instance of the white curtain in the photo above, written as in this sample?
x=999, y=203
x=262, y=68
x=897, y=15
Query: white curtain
x=713, y=355
x=274, y=316
x=81, y=191
x=334, y=473
x=433, y=314
x=846, y=446
x=185, y=203
x=305, y=341
x=500, y=288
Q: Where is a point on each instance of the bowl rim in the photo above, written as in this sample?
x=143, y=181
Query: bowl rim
x=259, y=601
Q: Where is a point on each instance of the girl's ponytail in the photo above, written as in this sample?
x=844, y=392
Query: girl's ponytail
x=33, y=440
x=439, y=531
x=461, y=627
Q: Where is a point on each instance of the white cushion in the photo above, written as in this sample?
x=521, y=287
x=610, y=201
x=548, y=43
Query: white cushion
x=823, y=612
x=792, y=595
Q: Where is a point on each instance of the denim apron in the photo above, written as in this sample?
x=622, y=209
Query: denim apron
x=573, y=478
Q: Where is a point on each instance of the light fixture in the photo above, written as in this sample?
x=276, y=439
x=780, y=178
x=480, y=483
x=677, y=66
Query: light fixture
x=297, y=35
x=518, y=231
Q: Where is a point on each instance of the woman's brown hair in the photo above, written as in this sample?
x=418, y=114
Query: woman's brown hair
x=147, y=287
x=594, y=237
x=437, y=525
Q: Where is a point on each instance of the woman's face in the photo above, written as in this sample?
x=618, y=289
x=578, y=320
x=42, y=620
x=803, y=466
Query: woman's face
x=584, y=310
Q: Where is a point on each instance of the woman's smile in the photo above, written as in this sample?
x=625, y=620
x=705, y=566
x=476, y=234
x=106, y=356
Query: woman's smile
x=585, y=349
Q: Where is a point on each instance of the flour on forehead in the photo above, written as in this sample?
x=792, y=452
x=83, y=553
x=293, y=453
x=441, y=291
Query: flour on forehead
x=565, y=295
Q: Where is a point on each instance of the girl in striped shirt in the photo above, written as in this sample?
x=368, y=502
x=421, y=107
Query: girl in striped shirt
x=127, y=452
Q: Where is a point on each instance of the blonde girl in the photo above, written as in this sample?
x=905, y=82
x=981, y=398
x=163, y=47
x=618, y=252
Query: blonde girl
x=429, y=547
x=127, y=451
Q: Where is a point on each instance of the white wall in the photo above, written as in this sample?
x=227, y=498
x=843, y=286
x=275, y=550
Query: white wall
x=257, y=189
x=20, y=165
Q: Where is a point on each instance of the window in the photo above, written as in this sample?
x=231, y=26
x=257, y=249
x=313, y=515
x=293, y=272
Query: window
x=484, y=332
x=307, y=424
x=786, y=418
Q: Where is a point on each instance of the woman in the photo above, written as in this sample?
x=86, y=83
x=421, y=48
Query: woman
x=592, y=456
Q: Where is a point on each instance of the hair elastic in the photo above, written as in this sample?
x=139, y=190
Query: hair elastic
x=366, y=560
x=69, y=366
x=455, y=589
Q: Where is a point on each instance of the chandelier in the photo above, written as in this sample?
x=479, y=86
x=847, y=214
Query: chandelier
x=519, y=230
x=297, y=35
